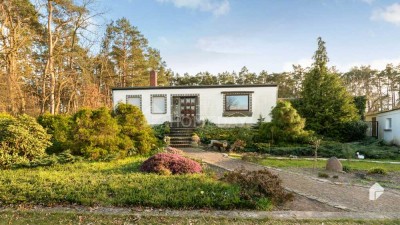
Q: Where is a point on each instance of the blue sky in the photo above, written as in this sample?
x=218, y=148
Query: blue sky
x=225, y=35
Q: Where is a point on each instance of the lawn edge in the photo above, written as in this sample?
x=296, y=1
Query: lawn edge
x=229, y=214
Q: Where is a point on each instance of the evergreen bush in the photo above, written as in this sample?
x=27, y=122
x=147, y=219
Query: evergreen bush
x=60, y=128
x=22, y=140
x=134, y=125
x=96, y=135
x=353, y=131
x=286, y=126
x=212, y=132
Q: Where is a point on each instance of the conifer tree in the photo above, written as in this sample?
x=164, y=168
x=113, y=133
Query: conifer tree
x=326, y=103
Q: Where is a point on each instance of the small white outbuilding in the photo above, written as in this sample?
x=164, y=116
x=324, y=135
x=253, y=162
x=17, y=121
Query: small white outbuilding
x=389, y=126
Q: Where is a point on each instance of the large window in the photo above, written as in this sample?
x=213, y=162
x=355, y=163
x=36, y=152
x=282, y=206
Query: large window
x=237, y=104
x=158, y=104
x=135, y=100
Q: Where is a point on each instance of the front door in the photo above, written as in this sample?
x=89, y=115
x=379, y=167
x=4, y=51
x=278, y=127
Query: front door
x=188, y=111
x=374, y=124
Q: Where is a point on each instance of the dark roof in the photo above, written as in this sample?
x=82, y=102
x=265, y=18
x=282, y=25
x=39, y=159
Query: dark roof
x=195, y=87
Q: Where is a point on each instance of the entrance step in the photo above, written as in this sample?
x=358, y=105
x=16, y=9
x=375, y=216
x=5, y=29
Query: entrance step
x=181, y=137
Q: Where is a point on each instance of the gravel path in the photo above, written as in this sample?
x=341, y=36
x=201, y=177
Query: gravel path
x=343, y=196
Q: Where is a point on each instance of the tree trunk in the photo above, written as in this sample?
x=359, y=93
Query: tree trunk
x=50, y=58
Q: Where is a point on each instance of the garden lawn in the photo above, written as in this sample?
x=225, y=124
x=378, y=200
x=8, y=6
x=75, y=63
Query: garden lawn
x=305, y=163
x=115, y=183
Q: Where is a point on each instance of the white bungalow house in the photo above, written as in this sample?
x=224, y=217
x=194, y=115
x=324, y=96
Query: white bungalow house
x=189, y=106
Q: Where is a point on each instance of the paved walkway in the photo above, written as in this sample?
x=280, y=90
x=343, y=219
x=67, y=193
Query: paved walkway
x=343, y=196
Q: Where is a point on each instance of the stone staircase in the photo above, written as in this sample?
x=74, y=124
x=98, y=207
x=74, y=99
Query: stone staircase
x=181, y=137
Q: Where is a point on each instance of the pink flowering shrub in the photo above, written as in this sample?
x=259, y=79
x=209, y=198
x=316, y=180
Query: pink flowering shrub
x=161, y=163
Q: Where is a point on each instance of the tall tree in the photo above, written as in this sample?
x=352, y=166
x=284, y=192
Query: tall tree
x=326, y=102
x=18, y=27
x=126, y=57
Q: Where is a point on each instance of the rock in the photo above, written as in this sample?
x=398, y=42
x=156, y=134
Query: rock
x=334, y=164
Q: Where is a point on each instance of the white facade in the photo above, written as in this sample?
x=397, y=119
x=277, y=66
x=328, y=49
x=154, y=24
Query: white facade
x=389, y=126
x=211, y=102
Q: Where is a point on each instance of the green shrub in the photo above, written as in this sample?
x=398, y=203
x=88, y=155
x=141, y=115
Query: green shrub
x=134, y=125
x=377, y=170
x=96, y=135
x=286, y=126
x=377, y=150
x=60, y=129
x=212, y=132
x=22, y=140
x=323, y=175
x=50, y=160
x=284, y=151
x=348, y=151
x=161, y=130
x=258, y=187
x=353, y=131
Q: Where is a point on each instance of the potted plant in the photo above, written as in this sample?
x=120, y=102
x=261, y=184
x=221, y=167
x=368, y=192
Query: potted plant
x=167, y=140
x=195, y=140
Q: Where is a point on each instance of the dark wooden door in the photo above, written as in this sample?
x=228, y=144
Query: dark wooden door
x=188, y=111
x=374, y=127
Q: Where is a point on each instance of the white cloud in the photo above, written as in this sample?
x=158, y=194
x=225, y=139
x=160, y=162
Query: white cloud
x=217, y=7
x=390, y=14
x=227, y=44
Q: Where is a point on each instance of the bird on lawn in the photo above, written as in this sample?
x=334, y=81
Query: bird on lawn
x=359, y=156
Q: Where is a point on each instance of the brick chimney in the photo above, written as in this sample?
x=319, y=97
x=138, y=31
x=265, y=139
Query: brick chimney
x=153, y=78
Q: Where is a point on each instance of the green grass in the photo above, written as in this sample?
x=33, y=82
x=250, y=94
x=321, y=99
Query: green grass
x=24, y=217
x=115, y=183
x=303, y=163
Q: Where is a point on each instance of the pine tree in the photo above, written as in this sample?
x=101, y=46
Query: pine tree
x=326, y=103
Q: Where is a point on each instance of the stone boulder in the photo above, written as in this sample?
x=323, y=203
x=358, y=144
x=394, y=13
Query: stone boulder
x=333, y=164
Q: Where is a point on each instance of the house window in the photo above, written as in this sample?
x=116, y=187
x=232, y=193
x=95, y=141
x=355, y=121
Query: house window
x=135, y=100
x=238, y=104
x=388, y=125
x=158, y=104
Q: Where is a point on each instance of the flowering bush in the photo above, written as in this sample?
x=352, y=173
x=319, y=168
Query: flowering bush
x=161, y=163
